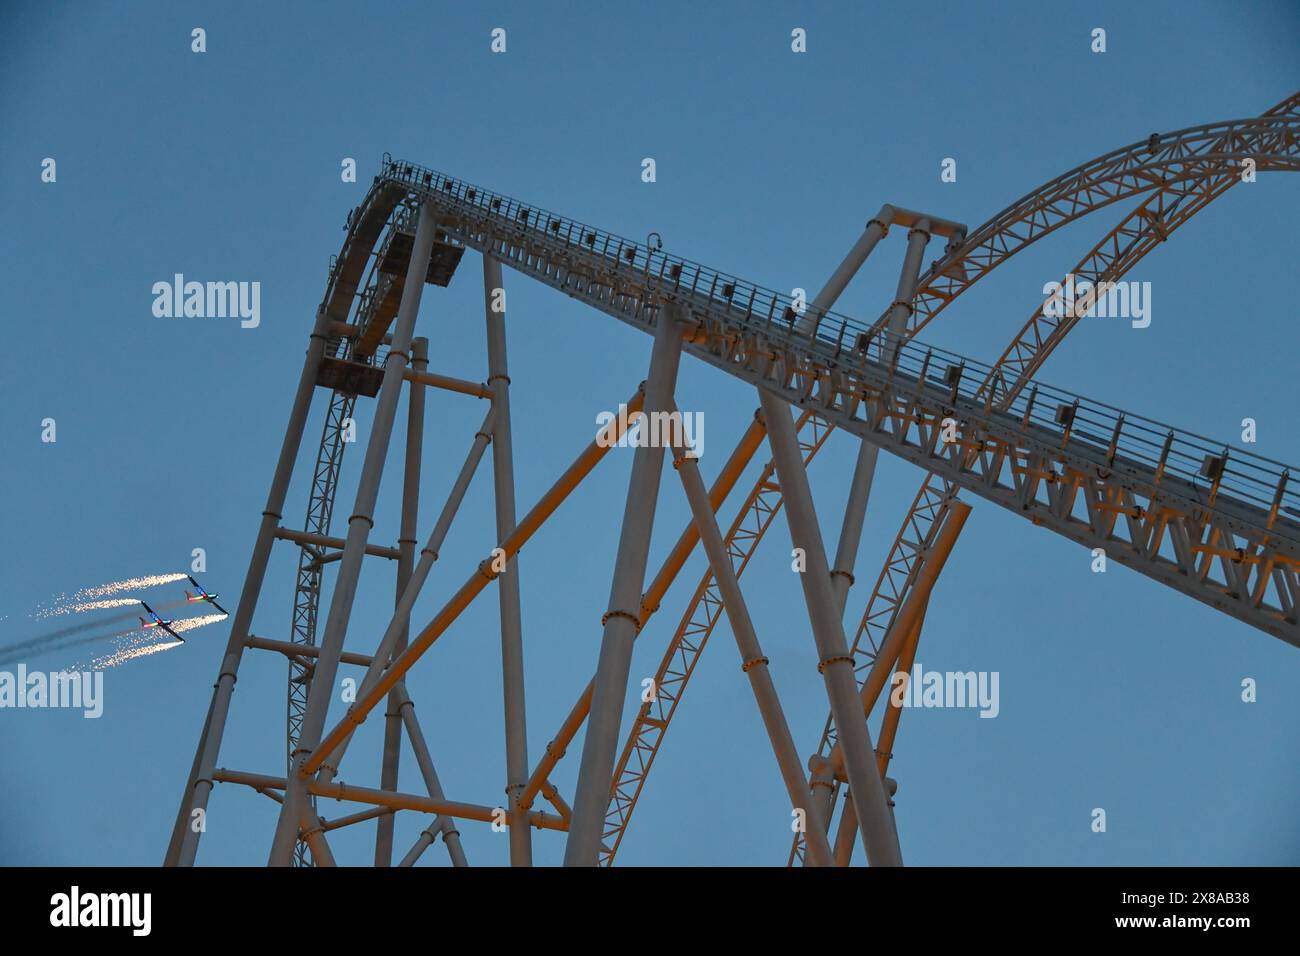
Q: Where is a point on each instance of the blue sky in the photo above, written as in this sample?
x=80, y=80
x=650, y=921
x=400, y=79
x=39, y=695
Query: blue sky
x=1115, y=693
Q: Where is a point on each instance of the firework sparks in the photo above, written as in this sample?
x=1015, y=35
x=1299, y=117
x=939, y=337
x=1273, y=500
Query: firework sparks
x=58, y=640
x=131, y=644
x=130, y=584
x=131, y=652
x=137, y=644
x=101, y=605
x=190, y=623
x=91, y=598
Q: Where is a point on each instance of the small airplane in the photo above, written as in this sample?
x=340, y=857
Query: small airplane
x=158, y=622
x=205, y=596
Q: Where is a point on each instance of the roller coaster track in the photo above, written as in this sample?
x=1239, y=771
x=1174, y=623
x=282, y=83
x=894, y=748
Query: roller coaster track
x=622, y=277
x=1187, y=190
x=1150, y=224
x=320, y=510
x=1196, y=153
x=1213, y=523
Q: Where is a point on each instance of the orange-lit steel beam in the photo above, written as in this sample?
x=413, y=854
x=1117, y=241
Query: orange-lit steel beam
x=360, y=817
x=844, y=836
x=722, y=487
x=649, y=728
x=448, y=383
x=909, y=617
x=394, y=801
x=752, y=660
x=303, y=650
x=563, y=487
x=552, y=796
x=893, y=711
x=898, y=649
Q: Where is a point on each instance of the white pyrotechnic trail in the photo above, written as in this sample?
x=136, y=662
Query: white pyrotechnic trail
x=130, y=584
x=89, y=599
x=102, y=597
x=101, y=605
x=59, y=640
x=190, y=623
x=134, y=645
x=137, y=644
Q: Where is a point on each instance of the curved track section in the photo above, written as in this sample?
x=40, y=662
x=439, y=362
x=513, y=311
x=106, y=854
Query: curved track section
x=350, y=297
x=1216, y=524
x=1150, y=224
x=1049, y=207
x=1193, y=154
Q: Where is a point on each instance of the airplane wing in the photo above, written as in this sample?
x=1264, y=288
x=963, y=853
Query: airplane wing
x=171, y=632
x=195, y=583
x=148, y=608
x=219, y=607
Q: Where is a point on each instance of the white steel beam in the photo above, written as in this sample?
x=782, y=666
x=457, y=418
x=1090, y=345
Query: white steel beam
x=835, y=664
x=609, y=690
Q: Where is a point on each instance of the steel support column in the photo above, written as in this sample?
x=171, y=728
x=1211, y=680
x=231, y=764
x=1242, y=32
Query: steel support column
x=835, y=663
x=379, y=681
x=185, y=835
x=864, y=470
x=359, y=525
x=512, y=645
x=400, y=620
x=752, y=661
x=596, y=769
x=904, y=633
x=848, y=826
x=450, y=835
x=722, y=487
x=405, y=565
x=876, y=229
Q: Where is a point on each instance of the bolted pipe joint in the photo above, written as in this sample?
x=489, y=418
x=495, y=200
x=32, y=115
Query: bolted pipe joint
x=616, y=612
x=822, y=772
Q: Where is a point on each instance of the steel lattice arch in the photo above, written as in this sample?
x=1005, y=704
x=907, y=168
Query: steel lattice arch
x=1215, y=523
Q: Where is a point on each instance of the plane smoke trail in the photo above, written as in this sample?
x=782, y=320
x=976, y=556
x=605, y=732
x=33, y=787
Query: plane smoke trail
x=134, y=643
x=33, y=643
x=41, y=643
x=65, y=645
